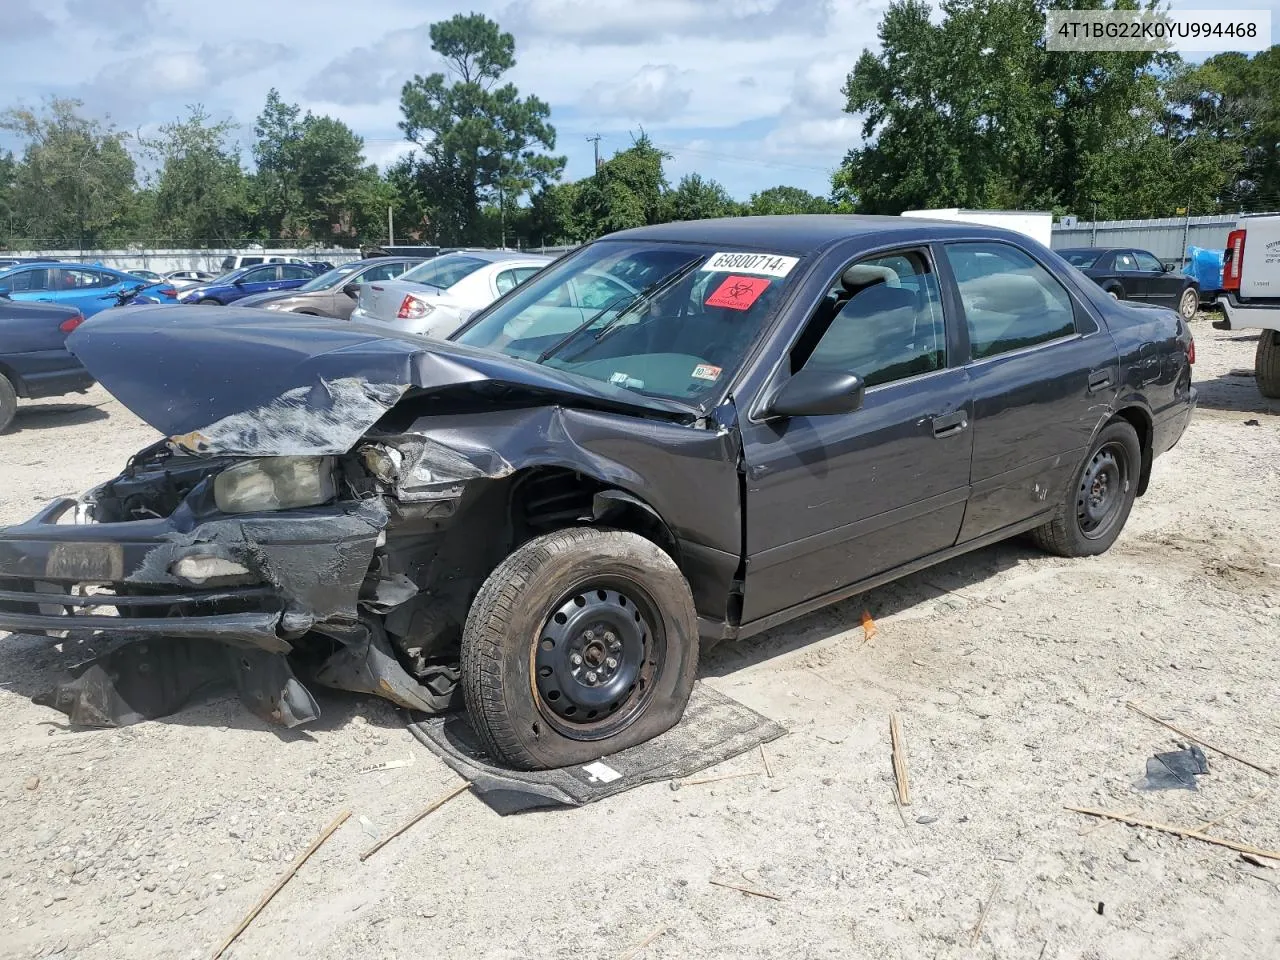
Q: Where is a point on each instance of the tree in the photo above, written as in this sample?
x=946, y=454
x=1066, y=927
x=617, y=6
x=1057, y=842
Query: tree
x=696, y=198
x=628, y=190
x=200, y=192
x=479, y=143
x=75, y=182
x=8, y=173
x=778, y=201
x=277, y=132
x=337, y=192
x=972, y=110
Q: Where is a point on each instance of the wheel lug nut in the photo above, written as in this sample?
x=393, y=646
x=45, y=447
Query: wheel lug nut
x=611, y=663
x=576, y=659
x=589, y=635
x=591, y=677
x=608, y=636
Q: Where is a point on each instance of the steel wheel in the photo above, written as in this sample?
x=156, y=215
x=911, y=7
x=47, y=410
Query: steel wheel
x=1103, y=490
x=595, y=659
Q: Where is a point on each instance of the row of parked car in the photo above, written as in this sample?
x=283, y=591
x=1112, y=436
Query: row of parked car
x=42, y=301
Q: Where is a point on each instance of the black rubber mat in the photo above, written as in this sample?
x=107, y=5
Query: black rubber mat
x=714, y=728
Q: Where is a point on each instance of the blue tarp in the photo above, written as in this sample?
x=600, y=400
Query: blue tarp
x=1205, y=267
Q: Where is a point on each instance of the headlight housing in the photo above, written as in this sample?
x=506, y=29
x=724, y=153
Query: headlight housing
x=274, y=483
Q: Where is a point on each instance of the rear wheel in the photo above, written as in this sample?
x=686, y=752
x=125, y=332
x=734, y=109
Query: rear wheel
x=581, y=643
x=1097, y=503
x=1115, y=293
x=8, y=403
x=1189, y=305
x=208, y=302
x=1267, y=364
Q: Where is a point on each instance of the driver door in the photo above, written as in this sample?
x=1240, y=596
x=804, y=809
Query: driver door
x=833, y=500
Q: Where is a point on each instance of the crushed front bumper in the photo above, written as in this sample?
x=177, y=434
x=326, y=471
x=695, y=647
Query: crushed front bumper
x=303, y=575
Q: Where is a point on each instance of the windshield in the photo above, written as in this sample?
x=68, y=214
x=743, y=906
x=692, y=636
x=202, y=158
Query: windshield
x=444, y=271
x=663, y=319
x=1080, y=258
x=328, y=279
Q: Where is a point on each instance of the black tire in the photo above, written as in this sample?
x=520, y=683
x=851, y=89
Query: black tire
x=517, y=650
x=1266, y=368
x=1096, y=505
x=208, y=302
x=8, y=403
x=1116, y=293
x=1189, y=303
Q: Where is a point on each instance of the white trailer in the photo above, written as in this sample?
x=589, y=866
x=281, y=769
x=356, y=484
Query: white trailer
x=1250, y=298
x=1034, y=224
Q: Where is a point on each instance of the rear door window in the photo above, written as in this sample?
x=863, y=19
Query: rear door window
x=1010, y=301
x=293, y=271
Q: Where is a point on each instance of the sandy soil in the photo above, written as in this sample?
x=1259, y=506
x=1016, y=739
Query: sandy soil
x=1010, y=669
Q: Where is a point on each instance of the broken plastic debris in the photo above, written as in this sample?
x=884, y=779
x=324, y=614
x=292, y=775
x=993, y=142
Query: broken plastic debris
x=869, y=627
x=1175, y=771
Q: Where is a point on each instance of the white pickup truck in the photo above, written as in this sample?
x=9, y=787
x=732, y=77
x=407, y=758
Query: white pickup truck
x=1250, y=298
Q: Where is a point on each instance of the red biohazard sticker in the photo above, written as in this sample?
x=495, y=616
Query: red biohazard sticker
x=738, y=293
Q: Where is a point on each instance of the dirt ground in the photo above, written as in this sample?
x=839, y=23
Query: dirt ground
x=1011, y=671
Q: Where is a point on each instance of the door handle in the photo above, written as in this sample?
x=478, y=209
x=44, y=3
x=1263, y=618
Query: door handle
x=951, y=424
x=1100, y=380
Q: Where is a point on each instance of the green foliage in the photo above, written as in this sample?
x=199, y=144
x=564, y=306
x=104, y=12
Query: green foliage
x=200, y=191
x=75, y=183
x=781, y=201
x=696, y=198
x=277, y=133
x=973, y=111
x=479, y=143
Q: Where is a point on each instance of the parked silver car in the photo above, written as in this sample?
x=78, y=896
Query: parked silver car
x=436, y=298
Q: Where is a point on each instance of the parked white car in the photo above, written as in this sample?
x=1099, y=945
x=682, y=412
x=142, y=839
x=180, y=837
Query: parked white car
x=437, y=297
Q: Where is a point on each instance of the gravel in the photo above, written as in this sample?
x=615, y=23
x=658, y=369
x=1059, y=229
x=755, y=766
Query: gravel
x=1010, y=670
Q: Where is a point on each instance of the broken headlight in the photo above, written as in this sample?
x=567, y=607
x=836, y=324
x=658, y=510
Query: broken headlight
x=274, y=483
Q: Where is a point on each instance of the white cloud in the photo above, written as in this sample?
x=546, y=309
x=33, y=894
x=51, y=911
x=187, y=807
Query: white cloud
x=654, y=92
x=374, y=73
x=23, y=22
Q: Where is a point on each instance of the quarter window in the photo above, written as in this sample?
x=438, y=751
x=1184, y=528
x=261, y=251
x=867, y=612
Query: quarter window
x=881, y=319
x=1010, y=301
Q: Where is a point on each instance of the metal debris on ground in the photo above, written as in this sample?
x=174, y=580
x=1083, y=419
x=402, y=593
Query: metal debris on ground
x=1178, y=832
x=414, y=819
x=338, y=821
x=1204, y=743
x=1176, y=770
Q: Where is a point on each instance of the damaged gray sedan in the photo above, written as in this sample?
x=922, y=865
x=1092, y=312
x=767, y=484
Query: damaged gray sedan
x=544, y=518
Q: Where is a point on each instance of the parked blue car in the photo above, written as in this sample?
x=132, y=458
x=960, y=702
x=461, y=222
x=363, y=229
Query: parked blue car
x=87, y=288
x=262, y=278
x=34, y=361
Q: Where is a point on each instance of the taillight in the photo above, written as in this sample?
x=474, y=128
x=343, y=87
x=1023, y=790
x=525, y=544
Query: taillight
x=411, y=308
x=168, y=292
x=1233, y=261
x=1191, y=352
x=69, y=324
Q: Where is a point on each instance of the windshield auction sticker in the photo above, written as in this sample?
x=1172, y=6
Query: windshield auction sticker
x=765, y=264
x=738, y=293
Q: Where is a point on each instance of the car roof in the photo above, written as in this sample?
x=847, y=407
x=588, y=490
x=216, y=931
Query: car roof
x=493, y=256
x=800, y=234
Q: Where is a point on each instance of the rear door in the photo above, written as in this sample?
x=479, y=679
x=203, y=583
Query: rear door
x=833, y=500
x=1043, y=375
x=293, y=275
x=1132, y=279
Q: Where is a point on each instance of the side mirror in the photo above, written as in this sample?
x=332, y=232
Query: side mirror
x=1170, y=267
x=818, y=393
x=238, y=283
x=352, y=290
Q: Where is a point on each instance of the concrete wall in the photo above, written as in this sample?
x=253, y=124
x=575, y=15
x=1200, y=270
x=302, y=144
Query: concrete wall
x=168, y=260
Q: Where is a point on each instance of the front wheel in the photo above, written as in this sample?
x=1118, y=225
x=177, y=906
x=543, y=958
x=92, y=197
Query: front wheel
x=208, y=302
x=581, y=643
x=1189, y=305
x=1097, y=503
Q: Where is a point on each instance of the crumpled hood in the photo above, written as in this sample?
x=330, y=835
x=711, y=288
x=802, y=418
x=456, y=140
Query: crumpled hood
x=231, y=380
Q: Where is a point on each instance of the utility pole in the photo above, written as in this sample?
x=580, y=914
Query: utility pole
x=391, y=227
x=596, y=141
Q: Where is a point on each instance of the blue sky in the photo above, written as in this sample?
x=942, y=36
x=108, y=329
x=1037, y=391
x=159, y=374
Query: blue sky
x=745, y=91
